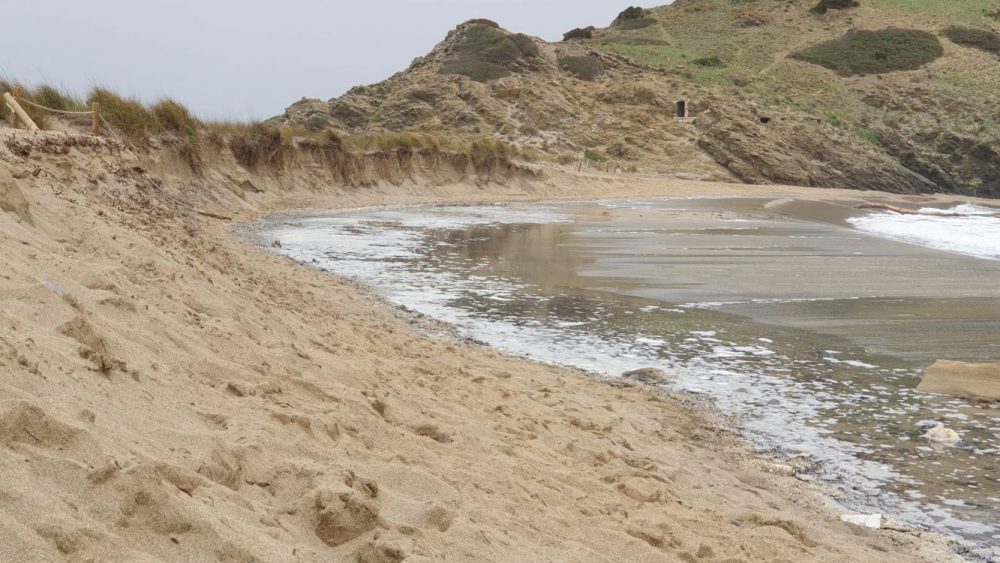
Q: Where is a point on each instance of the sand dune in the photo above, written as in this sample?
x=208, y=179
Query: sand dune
x=169, y=393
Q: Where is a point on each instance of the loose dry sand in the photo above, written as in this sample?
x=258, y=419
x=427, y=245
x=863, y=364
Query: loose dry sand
x=169, y=393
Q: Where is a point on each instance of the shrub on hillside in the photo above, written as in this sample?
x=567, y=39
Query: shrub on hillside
x=825, y=6
x=874, y=52
x=582, y=67
x=525, y=44
x=629, y=14
x=580, y=33
x=992, y=13
x=981, y=39
x=484, y=53
x=712, y=61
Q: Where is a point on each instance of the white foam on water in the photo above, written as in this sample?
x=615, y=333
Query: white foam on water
x=976, y=232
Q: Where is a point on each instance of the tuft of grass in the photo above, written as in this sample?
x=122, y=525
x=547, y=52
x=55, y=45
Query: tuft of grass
x=583, y=67
x=128, y=116
x=53, y=97
x=593, y=156
x=174, y=117
x=825, y=6
x=982, y=39
x=875, y=52
x=870, y=136
x=257, y=144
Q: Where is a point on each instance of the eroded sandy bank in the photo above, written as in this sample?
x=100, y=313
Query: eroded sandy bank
x=169, y=393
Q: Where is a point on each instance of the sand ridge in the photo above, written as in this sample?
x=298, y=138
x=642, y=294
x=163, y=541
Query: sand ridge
x=169, y=393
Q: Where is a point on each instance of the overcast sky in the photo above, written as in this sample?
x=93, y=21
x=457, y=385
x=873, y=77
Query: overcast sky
x=245, y=59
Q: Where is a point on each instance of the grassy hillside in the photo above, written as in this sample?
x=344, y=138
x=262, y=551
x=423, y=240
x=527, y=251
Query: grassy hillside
x=899, y=95
x=918, y=102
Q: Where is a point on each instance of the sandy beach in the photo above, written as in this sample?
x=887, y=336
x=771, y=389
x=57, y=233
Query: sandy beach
x=171, y=393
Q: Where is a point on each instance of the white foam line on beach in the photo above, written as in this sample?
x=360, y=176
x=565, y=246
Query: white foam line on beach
x=975, y=233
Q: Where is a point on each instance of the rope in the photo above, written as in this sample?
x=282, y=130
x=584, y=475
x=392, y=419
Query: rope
x=40, y=106
x=118, y=139
x=156, y=186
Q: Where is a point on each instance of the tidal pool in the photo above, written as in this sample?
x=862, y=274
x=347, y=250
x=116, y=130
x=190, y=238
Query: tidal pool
x=811, y=334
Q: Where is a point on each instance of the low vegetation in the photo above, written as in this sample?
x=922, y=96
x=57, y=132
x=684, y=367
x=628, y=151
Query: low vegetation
x=484, y=52
x=174, y=117
x=583, y=67
x=981, y=39
x=632, y=13
x=580, y=33
x=252, y=144
x=592, y=155
x=632, y=25
x=825, y=6
x=875, y=52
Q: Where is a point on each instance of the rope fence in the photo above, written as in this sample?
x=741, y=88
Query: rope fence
x=15, y=100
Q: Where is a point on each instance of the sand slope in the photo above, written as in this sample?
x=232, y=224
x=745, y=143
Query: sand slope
x=167, y=393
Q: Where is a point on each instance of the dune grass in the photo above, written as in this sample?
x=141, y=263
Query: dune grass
x=252, y=144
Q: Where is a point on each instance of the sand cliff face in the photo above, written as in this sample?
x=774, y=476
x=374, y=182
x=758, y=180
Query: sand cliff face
x=169, y=393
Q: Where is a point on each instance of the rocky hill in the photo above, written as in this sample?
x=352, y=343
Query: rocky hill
x=893, y=95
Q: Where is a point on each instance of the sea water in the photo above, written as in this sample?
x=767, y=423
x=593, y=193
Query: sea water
x=798, y=330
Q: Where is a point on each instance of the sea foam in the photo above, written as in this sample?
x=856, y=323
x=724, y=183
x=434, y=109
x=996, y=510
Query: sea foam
x=976, y=232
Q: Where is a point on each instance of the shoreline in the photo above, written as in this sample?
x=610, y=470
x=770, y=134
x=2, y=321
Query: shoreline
x=190, y=395
x=791, y=202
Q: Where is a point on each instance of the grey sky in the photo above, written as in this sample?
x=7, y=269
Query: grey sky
x=245, y=59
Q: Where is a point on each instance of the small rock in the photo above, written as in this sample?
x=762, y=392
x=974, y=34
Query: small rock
x=646, y=375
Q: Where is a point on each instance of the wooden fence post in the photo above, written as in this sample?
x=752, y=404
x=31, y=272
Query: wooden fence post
x=17, y=98
x=95, y=119
x=19, y=112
